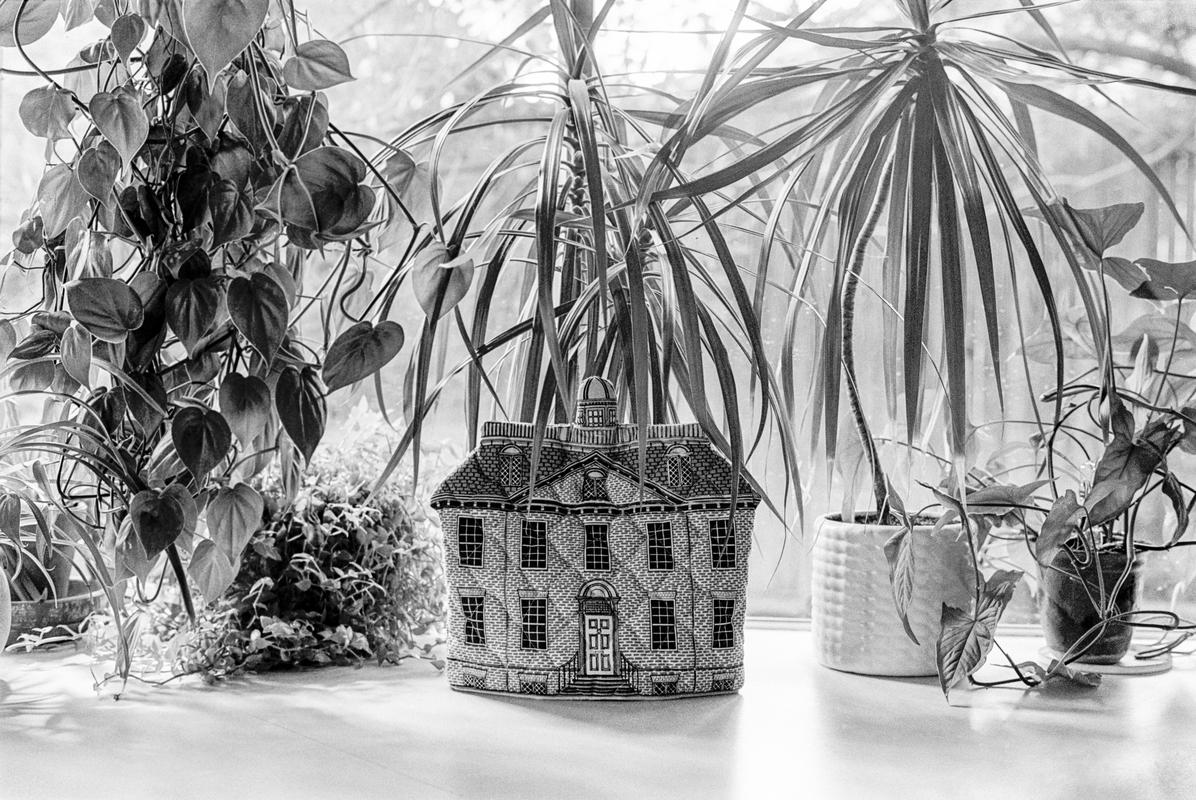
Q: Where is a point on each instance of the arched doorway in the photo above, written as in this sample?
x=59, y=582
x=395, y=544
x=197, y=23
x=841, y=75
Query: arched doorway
x=598, y=621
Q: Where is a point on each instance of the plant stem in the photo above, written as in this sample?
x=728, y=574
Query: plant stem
x=880, y=484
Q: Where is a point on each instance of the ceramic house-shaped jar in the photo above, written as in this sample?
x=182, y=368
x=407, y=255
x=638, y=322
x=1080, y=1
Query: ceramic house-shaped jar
x=594, y=587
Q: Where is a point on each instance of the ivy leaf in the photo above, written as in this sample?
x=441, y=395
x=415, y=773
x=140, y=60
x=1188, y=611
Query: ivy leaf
x=899, y=552
x=245, y=403
x=1058, y=669
x=360, y=352
x=322, y=192
x=186, y=502
x=234, y=514
x=301, y=408
x=127, y=32
x=121, y=119
x=191, y=309
x=47, y=112
x=60, y=198
x=106, y=307
x=305, y=126
x=37, y=17
x=966, y=638
x=219, y=30
x=210, y=570
x=258, y=308
x=316, y=65
x=99, y=168
x=157, y=520
x=76, y=353
x=202, y=439
x=440, y=282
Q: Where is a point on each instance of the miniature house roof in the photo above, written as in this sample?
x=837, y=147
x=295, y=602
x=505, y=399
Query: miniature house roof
x=682, y=466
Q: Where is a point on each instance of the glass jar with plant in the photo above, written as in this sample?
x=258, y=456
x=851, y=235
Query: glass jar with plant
x=921, y=131
x=192, y=172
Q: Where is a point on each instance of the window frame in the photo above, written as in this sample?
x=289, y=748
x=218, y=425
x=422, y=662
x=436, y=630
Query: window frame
x=536, y=547
x=587, y=550
x=719, y=554
x=480, y=543
x=662, y=623
x=533, y=631
x=660, y=556
x=473, y=613
x=722, y=631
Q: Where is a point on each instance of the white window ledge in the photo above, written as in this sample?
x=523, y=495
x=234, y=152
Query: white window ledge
x=796, y=730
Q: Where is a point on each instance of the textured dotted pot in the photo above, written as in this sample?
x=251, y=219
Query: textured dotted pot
x=856, y=626
x=5, y=607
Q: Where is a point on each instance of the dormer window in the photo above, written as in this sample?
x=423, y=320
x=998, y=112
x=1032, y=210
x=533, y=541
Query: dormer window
x=511, y=465
x=593, y=486
x=679, y=466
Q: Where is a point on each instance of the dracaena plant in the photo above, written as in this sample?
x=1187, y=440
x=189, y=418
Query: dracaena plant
x=192, y=172
x=548, y=269
x=918, y=139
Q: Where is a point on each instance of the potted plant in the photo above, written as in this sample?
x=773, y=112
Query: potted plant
x=926, y=126
x=192, y=173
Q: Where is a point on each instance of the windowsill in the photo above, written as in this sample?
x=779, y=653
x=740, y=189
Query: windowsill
x=796, y=729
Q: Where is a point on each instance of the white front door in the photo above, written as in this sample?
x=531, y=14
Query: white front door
x=598, y=636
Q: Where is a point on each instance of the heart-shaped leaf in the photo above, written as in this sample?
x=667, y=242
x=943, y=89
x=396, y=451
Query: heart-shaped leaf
x=439, y=282
x=60, y=198
x=47, y=112
x=305, y=127
x=121, y=119
x=202, y=439
x=36, y=376
x=29, y=236
x=191, y=309
x=321, y=189
x=234, y=514
x=157, y=520
x=258, y=308
x=8, y=339
x=301, y=408
x=219, y=30
x=899, y=552
x=966, y=638
x=245, y=403
x=210, y=570
x=37, y=344
x=316, y=65
x=1165, y=280
x=232, y=218
x=1058, y=526
x=186, y=502
x=76, y=353
x=99, y=168
x=1101, y=228
x=106, y=307
x=37, y=17
x=360, y=352
x=127, y=32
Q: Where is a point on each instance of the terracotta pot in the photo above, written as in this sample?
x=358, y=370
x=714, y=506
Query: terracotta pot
x=1068, y=610
x=69, y=611
x=855, y=621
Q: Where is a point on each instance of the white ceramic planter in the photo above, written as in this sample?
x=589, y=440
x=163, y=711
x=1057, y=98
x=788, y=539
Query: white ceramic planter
x=856, y=626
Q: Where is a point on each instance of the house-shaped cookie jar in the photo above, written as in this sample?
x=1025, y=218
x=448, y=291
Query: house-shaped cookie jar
x=597, y=585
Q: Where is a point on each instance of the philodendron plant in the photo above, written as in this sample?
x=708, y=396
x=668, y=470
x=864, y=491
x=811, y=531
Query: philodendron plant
x=192, y=171
x=1086, y=538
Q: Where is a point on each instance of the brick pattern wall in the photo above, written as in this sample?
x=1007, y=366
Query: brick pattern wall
x=502, y=665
